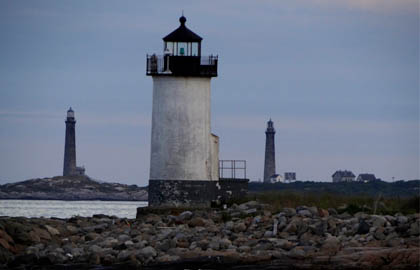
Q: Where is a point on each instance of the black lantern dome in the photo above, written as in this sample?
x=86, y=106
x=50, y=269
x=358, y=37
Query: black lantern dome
x=182, y=41
x=270, y=127
x=182, y=56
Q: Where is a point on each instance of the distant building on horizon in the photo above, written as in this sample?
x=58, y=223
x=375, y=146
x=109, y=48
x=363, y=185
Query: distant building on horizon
x=70, y=167
x=366, y=177
x=289, y=176
x=276, y=178
x=270, y=159
x=343, y=176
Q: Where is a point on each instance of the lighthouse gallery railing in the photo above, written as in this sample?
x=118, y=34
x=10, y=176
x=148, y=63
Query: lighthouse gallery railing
x=182, y=65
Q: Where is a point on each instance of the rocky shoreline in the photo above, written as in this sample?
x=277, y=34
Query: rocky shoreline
x=246, y=236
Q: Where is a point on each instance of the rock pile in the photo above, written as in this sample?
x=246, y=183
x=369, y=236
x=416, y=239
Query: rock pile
x=246, y=234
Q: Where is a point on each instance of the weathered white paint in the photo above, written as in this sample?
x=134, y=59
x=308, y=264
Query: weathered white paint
x=214, y=157
x=181, y=139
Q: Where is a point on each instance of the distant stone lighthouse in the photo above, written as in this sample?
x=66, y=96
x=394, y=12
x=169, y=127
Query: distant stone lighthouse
x=270, y=159
x=70, y=167
x=184, y=154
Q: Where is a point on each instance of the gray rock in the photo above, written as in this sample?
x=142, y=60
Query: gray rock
x=91, y=236
x=289, y=211
x=331, y=245
x=296, y=253
x=248, y=205
x=147, y=252
x=378, y=221
x=275, y=227
x=193, y=245
x=243, y=206
x=164, y=245
x=415, y=228
x=229, y=225
x=244, y=249
x=250, y=211
x=124, y=255
x=402, y=219
x=109, y=259
x=56, y=258
x=97, y=228
x=203, y=244
x=51, y=230
x=77, y=252
x=363, y=227
x=256, y=220
x=167, y=258
x=140, y=244
x=283, y=244
x=166, y=234
x=59, y=250
x=225, y=243
x=95, y=249
x=318, y=228
x=263, y=245
x=379, y=233
x=361, y=215
x=332, y=211
x=268, y=234
x=109, y=242
x=128, y=243
x=239, y=227
x=344, y=215
x=214, y=245
x=313, y=210
x=184, y=216
x=123, y=237
x=292, y=227
x=72, y=229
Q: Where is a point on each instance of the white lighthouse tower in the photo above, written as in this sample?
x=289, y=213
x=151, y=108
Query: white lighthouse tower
x=184, y=154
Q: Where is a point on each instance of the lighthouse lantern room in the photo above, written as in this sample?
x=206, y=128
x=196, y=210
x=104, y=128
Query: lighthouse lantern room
x=182, y=56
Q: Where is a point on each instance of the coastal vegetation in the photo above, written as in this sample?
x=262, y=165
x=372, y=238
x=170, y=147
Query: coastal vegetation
x=376, y=197
x=374, y=188
x=343, y=203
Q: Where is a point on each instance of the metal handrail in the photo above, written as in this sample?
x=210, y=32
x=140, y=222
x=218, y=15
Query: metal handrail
x=157, y=64
x=233, y=166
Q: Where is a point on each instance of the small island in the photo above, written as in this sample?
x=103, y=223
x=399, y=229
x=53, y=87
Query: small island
x=70, y=188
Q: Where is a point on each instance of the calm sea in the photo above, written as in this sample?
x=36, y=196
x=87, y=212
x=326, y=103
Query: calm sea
x=67, y=209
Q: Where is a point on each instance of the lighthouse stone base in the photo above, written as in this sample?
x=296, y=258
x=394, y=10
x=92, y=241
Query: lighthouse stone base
x=194, y=193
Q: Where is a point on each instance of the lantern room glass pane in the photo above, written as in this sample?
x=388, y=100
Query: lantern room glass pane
x=170, y=46
x=194, y=51
x=182, y=48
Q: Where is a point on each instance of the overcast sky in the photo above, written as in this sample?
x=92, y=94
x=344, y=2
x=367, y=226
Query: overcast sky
x=340, y=80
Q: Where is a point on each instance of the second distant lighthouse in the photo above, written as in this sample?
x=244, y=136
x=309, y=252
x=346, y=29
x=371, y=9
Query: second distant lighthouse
x=70, y=168
x=270, y=159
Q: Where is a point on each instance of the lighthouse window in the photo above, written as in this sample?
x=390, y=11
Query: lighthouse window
x=194, y=50
x=170, y=46
x=182, y=48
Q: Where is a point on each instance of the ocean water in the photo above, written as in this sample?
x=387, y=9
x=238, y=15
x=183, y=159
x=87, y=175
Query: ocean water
x=67, y=209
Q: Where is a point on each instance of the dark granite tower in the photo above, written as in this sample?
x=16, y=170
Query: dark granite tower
x=70, y=145
x=270, y=160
